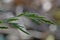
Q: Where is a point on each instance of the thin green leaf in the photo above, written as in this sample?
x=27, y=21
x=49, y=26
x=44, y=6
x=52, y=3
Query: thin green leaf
x=12, y=19
x=35, y=20
x=19, y=27
x=33, y=16
x=27, y=14
x=23, y=14
x=47, y=21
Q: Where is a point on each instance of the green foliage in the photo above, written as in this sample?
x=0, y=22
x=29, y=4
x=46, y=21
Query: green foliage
x=12, y=19
x=3, y=27
x=1, y=22
x=35, y=18
x=19, y=27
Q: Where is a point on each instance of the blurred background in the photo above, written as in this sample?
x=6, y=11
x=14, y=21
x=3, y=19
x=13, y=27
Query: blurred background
x=47, y=8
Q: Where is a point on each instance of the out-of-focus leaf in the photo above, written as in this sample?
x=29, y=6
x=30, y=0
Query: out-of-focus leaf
x=3, y=27
x=12, y=19
x=19, y=27
x=1, y=22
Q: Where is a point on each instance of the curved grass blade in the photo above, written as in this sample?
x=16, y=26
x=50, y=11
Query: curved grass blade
x=12, y=19
x=19, y=27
